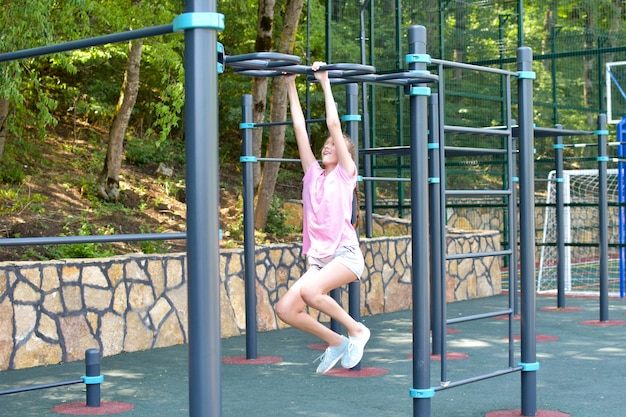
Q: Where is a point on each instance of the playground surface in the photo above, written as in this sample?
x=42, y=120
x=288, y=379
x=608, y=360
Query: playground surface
x=582, y=371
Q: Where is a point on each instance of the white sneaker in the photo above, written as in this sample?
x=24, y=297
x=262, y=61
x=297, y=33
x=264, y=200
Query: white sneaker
x=332, y=355
x=354, y=353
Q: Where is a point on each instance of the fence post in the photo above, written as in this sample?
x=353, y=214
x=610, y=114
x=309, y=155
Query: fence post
x=93, y=378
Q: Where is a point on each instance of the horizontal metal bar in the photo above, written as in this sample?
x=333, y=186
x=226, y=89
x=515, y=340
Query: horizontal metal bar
x=285, y=123
x=473, y=317
x=88, y=43
x=446, y=385
x=389, y=179
x=41, y=386
x=478, y=192
x=64, y=240
x=277, y=160
x=483, y=131
x=450, y=64
x=452, y=151
x=504, y=252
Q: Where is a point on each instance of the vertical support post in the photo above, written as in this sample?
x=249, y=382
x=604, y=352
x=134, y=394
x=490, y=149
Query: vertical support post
x=92, y=370
x=437, y=260
x=368, y=190
x=249, y=268
x=527, y=232
x=603, y=217
x=352, y=129
x=421, y=391
x=621, y=178
x=202, y=173
x=560, y=219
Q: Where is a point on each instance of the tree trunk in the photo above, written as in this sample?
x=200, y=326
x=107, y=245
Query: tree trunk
x=4, y=114
x=588, y=64
x=278, y=112
x=108, y=182
x=263, y=43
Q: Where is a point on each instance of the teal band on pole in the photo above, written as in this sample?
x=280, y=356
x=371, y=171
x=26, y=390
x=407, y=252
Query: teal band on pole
x=559, y=146
x=434, y=180
x=417, y=58
x=359, y=178
x=91, y=380
x=422, y=393
x=515, y=179
x=351, y=118
x=559, y=180
x=527, y=75
x=602, y=159
x=600, y=132
x=199, y=20
x=420, y=91
x=433, y=145
x=529, y=367
x=248, y=159
x=220, y=58
x=247, y=125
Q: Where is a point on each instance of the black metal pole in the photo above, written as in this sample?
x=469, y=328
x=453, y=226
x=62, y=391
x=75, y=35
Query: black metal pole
x=560, y=220
x=352, y=129
x=249, y=262
x=202, y=176
x=527, y=232
x=437, y=259
x=603, y=218
x=421, y=390
x=92, y=370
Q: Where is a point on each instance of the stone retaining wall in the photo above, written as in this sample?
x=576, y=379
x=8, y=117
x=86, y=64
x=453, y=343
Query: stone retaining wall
x=53, y=311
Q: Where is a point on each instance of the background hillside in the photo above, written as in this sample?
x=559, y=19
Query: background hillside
x=56, y=198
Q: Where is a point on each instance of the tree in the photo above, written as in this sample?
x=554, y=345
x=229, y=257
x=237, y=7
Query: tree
x=29, y=24
x=278, y=112
x=108, y=181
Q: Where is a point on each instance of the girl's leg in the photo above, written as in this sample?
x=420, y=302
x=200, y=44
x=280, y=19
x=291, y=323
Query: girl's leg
x=314, y=292
x=291, y=309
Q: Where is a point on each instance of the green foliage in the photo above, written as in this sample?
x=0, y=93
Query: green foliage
x=144, y=151
x=17, y=199
x=277, y=220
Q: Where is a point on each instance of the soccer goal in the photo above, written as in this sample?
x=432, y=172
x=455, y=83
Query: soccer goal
x=580, y=218
x=615, y=78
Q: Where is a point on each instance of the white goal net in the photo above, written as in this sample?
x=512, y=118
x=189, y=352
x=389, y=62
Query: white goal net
x=581, y=230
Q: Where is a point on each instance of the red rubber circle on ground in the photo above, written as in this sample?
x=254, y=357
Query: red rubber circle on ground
x=452, y=356
x=561, y=309
x=261, y=360
x=80, y=408
x=607, y=323
x=318, y=346
x=364, y=372
x=539, y=338
x=518, y=413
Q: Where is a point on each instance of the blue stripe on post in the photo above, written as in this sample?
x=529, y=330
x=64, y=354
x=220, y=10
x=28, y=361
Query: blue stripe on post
x=417, y=58
x=528, y=75
x=351, y=118
x=198, y=20
x=91, y=380
x=420, y=91
x=422, y=393
x=529, y=367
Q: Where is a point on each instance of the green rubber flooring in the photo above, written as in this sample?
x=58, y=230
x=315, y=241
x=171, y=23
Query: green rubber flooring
x=582, y=371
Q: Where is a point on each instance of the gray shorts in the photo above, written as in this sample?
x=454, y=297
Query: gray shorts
x=350, y=256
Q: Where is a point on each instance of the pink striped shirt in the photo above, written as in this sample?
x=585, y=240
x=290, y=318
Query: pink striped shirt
x=327, y=202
